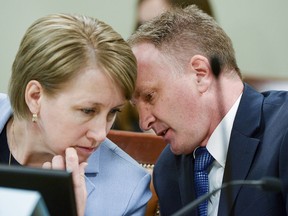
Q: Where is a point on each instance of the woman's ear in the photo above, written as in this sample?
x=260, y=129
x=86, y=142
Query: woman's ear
x=33, y=94
x=201, y=66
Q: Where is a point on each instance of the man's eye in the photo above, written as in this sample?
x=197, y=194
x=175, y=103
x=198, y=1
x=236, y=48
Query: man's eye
x=148, y=97
x=88, y=111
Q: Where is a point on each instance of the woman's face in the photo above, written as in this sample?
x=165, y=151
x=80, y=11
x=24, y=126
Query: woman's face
x=80, y=115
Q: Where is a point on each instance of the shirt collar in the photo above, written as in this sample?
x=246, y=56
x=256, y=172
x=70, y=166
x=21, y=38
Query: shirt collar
x=219, y=141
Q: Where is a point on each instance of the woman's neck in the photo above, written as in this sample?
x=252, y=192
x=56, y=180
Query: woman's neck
x=25, y=143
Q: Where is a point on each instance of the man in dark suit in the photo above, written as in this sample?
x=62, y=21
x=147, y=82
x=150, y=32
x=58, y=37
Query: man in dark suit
x=189, y=90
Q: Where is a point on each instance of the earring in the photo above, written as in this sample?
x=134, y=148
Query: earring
x=34, y=117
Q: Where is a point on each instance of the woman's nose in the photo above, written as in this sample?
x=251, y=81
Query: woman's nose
x=97, y=131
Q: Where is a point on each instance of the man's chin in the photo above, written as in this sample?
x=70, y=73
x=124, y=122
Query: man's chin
x=175, y=150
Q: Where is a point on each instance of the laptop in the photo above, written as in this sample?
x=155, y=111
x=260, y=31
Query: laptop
x=55, y=186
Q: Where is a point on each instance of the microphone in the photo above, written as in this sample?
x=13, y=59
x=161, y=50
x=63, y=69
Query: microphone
x=266, y=183
x=215, y=66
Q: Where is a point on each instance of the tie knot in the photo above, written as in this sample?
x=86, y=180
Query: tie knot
x=203, y=159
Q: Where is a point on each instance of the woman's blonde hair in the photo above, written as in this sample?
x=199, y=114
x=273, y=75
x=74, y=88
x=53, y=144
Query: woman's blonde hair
x=56, y=47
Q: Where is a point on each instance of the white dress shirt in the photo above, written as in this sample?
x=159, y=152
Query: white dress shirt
x=218, y=146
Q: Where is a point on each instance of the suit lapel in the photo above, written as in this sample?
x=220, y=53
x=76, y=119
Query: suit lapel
x=185, y=171
x=237, y=168
x=242, y=147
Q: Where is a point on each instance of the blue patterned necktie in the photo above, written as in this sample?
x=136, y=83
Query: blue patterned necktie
x=202, y=161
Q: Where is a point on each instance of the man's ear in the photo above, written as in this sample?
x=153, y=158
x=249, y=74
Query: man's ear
x=33, y=94
x=201, y=66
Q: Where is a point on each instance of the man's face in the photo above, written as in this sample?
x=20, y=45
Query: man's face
x=168, y=100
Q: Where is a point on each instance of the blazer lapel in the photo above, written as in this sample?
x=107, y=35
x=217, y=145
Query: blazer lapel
x=237, y=168
x=242, y=147
x=92, y=170
x=186, y=187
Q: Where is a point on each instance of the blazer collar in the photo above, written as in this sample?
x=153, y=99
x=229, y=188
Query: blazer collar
x=92, y=169
x=93, y=162
x=243, y=145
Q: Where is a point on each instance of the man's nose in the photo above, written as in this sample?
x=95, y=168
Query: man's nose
x=146, y=118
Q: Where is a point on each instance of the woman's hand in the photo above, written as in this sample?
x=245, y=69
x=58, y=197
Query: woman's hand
x=71, y=163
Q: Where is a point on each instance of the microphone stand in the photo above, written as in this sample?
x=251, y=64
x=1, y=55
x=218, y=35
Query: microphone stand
x=266, y=183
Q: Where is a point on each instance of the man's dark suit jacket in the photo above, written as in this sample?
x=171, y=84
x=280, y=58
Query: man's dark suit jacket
x=258, y=148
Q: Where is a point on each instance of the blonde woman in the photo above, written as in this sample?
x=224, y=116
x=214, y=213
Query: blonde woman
x=71, y=76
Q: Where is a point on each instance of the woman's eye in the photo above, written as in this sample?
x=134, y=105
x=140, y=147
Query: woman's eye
x=88, y=111
x=113, y=114
x=115, y=111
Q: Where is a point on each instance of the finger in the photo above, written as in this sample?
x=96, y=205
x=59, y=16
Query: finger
x=81, y=176
x=47, y=165
x=58, y=162
x=78, y=170
x=82, y=167
x=71, y=158
x=72, y=165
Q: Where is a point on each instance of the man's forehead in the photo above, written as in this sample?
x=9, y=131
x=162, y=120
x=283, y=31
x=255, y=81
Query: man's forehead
x=145, y=51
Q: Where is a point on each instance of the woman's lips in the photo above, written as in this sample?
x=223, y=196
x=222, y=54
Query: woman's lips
x=85, y=150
